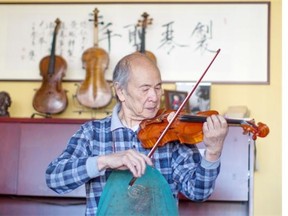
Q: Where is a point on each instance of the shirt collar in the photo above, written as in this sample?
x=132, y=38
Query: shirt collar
x=115, y=120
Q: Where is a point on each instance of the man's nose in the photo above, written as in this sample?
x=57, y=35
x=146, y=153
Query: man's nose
x=153, y=95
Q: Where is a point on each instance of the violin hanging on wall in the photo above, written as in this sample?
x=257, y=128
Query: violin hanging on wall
x=94, y=91
x=143, y=24
x=51, y=98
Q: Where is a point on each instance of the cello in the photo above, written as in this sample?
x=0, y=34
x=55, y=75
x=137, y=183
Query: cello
x=143, y=24
x=51, y=98
x=94, y=91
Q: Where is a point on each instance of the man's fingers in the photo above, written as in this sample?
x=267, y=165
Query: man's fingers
x=136, y=162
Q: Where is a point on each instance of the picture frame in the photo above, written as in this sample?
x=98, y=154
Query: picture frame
x=199, y=29
x=200, y=100
x=173, y=99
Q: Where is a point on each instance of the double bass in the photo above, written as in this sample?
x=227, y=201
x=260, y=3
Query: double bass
x=94, y=91
x=143, y=24
x=51, y=98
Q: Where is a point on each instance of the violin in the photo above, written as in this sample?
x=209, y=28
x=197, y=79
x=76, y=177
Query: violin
x=94, y=91
x=143, y=24
x=187, y=128
x=51, y=98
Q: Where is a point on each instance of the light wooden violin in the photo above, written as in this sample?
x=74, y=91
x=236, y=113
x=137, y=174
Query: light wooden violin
x=95, y=91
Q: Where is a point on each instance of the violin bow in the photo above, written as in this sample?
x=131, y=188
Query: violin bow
x=176, y=114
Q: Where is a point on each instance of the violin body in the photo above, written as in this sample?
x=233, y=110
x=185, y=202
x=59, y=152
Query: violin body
x=150, y=55
x=94, y=91
x=178, y=131
x=51, y=98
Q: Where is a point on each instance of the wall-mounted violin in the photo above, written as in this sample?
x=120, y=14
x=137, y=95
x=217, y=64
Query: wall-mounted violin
x=51, y=98
x=143, y=24
x=94, y=91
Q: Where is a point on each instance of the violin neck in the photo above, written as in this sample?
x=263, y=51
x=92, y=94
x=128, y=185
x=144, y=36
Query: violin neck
x=96, y=23
x=201, y=119
x=142, y=47
x=95, y=36
x=51, y=66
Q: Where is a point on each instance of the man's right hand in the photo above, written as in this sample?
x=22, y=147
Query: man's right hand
x=130, y=159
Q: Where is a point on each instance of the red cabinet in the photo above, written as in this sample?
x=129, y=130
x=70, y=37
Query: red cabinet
x=9, y=157
x=27, y=146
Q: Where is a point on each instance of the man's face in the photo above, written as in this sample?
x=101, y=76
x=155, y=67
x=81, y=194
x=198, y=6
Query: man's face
x=142, y=97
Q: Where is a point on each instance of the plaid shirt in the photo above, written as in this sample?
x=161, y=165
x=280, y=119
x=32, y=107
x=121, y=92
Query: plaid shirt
x=182, y=165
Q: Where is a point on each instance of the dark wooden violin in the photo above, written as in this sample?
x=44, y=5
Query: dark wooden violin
x=143, y=24
x=94, y=91
x=51, y=98
x=187, y=128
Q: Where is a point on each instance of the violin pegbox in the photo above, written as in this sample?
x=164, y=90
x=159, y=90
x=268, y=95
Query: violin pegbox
x=259, y=130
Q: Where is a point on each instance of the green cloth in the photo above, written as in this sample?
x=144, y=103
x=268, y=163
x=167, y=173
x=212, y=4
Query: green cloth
x=149, y=195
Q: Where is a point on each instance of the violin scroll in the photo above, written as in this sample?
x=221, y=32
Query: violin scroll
x=262, y=130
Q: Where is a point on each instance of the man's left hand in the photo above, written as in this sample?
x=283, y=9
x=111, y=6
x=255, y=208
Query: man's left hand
x=215, y=130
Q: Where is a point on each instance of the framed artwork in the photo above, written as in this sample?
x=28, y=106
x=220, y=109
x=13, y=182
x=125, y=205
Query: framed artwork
x=200, y=100
x=183, y=36
x=173, y=99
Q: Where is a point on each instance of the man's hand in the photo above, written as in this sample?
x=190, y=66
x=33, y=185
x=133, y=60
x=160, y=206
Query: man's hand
x=215, y=130
x=130, y=159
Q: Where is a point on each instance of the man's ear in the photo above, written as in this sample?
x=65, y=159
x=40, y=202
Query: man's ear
x=119, y=92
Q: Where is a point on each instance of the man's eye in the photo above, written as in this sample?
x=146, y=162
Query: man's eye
x=158, y=89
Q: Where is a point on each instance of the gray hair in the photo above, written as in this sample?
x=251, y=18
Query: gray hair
x=121, y=72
